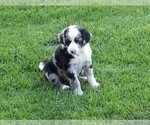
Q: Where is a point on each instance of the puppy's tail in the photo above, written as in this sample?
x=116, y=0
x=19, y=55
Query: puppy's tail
x=42, y=65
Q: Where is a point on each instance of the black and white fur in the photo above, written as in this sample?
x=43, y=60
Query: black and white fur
x=71, y=59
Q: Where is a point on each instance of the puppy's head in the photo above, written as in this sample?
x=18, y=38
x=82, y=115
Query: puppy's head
x=74, y=38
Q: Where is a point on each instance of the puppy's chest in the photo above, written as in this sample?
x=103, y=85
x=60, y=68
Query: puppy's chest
x=78, y=63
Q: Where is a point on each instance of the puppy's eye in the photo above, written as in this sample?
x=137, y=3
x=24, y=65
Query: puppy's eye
x=67, y=42
x=79, y=41
x=76, y=40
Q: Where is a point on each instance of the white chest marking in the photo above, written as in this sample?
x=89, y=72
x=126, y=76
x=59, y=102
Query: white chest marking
x=80, y=61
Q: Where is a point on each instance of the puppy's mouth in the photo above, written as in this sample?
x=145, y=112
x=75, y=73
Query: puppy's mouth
x=76, y=54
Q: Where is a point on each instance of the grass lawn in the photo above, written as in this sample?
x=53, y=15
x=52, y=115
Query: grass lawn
x=121, y=57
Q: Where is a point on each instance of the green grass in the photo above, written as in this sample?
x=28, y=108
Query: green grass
x=121, y=57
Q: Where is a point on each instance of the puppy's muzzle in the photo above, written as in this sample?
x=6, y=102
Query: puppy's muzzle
x=72, y=51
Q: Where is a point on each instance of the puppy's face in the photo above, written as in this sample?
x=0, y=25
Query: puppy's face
x=74, y=38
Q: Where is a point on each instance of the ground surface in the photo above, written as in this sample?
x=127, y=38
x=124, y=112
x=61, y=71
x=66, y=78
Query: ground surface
x=121, y=57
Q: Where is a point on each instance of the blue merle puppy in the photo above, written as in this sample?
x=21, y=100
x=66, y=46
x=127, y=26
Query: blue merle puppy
x=71, y=60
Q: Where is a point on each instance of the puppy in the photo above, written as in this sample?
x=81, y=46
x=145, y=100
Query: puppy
x=71, y=60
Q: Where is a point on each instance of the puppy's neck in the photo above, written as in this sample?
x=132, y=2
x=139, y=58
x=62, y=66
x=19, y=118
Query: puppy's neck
x=86, y=50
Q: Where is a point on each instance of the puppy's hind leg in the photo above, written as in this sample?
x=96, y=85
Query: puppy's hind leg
x=55, y=80
x=83, y=79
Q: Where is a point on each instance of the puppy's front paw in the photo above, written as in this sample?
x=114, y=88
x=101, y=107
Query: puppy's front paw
x=78, y=92
x=95, y=85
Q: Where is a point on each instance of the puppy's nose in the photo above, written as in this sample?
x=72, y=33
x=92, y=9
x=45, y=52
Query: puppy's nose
x=73, y=51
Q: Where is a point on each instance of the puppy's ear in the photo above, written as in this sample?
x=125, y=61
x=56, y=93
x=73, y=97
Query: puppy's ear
x=60, y=38
x=86, y=35
x=62, y=35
